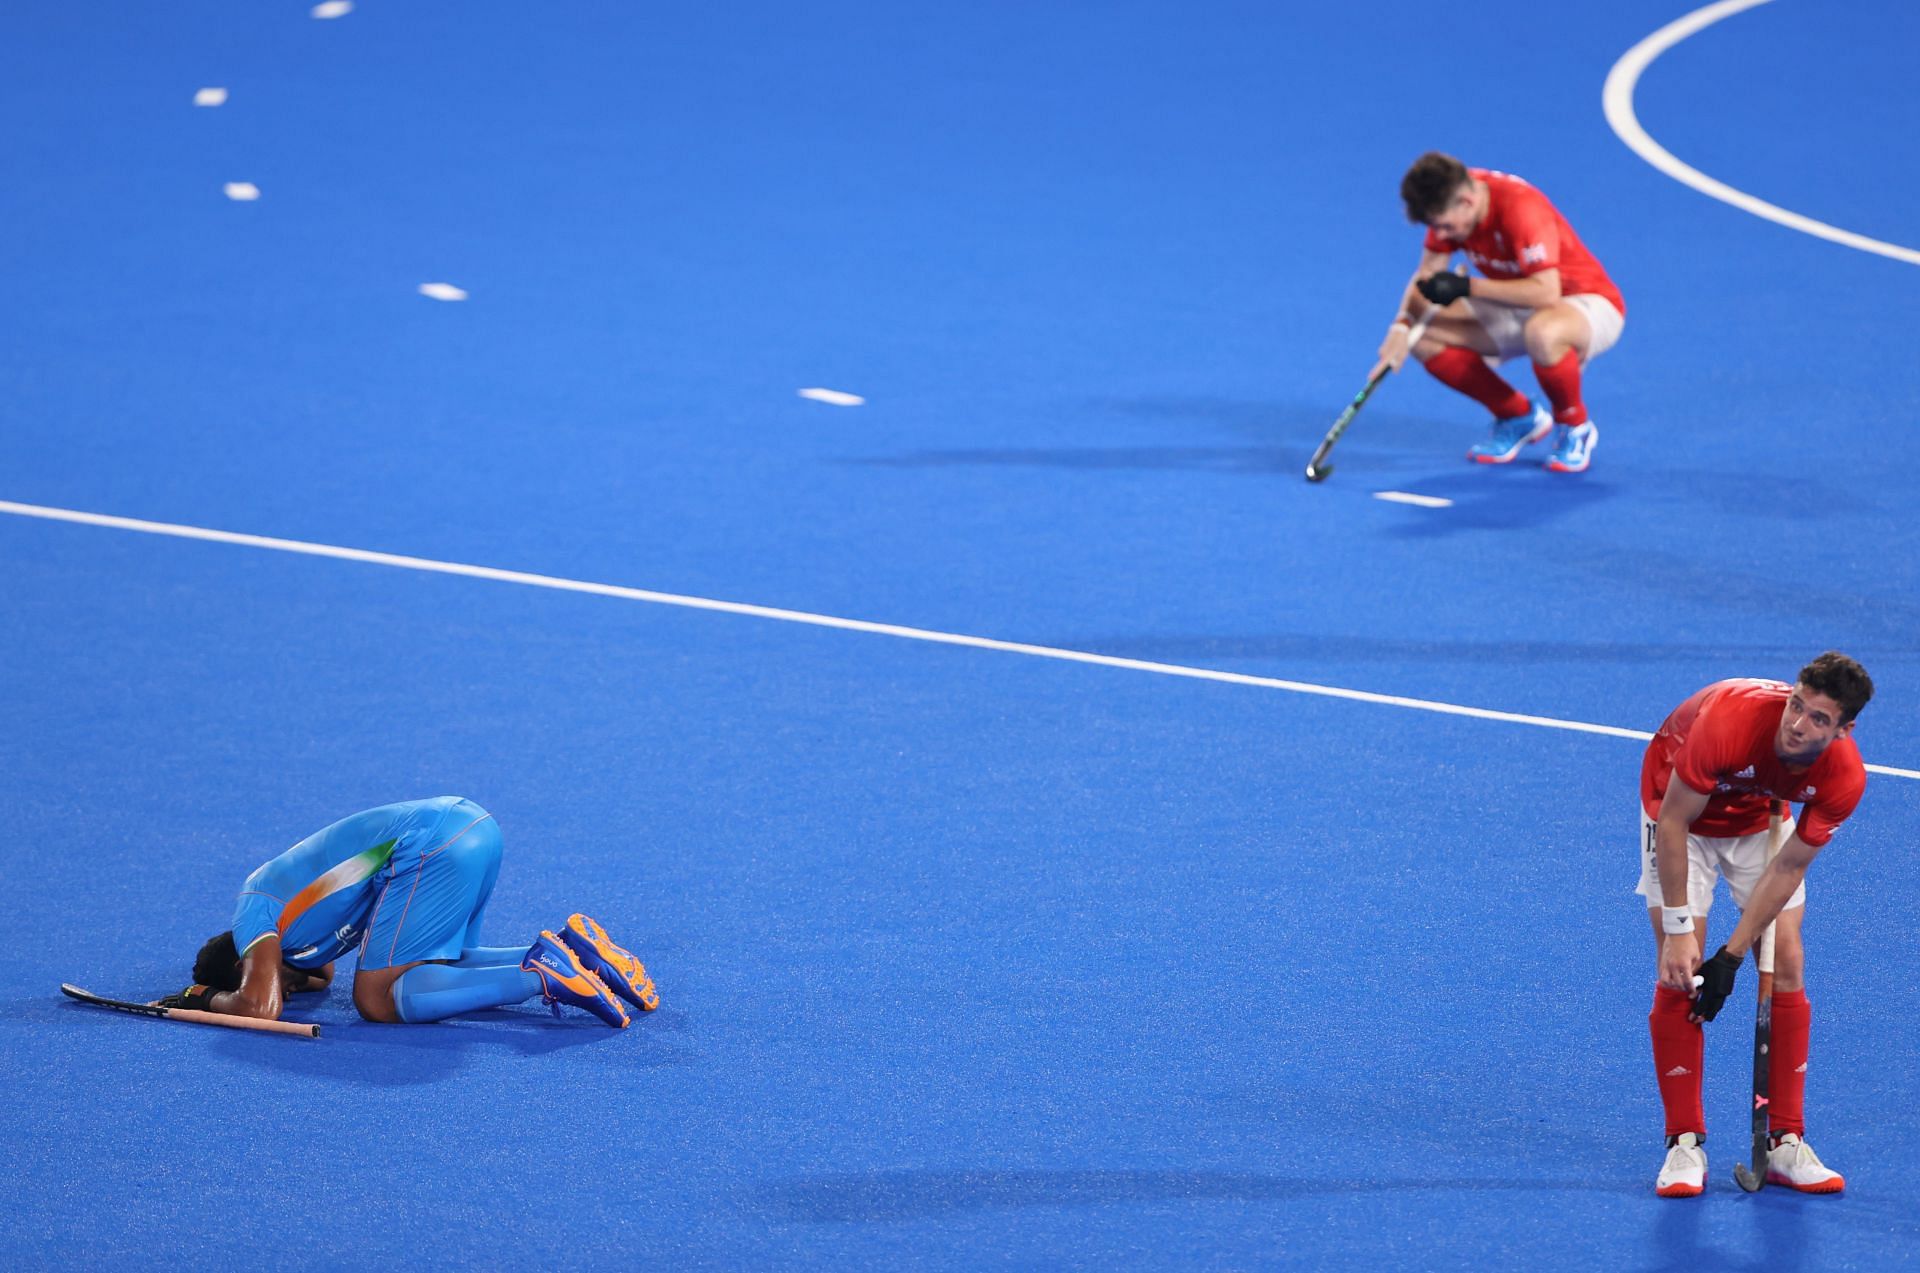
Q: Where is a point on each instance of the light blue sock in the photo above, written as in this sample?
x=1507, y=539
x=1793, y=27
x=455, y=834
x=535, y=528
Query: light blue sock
x=490, y=956
x=432, y=992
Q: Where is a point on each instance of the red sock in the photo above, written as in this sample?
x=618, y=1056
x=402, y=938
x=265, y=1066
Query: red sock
x=1787, y=1064
x=1678, y=1047
x=1562, y=384
x=1460, y=368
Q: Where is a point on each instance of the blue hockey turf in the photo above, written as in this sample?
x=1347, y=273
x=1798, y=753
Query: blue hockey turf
x=969, y=956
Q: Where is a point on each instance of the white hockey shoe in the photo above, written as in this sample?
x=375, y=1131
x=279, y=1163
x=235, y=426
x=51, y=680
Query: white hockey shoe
x=1684, y=1174
x=1792, y=1162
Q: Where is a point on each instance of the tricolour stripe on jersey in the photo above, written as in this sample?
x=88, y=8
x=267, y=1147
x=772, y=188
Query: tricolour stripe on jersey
x=345, y=875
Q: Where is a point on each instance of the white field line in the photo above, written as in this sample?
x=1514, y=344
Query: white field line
x=833, y=397
x=1616, y=98
x=816, y=620
x=1418, y=501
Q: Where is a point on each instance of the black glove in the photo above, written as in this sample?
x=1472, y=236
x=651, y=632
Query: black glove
x=198, y=998
x=1716, y=983
x=1444, y=288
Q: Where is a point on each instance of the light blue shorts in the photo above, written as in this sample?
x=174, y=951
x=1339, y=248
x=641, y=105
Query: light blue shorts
x=433, y=892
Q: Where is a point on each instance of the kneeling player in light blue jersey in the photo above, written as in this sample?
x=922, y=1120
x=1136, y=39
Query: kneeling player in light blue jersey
x=406, y=886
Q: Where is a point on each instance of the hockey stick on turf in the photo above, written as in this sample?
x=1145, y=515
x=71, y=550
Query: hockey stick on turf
x=300, y=1028
x=1317, y=471
x=1754, y=1179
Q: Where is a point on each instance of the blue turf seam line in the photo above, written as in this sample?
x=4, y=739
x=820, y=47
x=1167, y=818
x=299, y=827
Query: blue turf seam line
x=427, y=564
x=1616, y=100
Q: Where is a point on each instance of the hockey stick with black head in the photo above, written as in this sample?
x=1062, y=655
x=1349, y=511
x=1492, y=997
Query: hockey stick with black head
x=302, y=1029
x=1755, y=1178
x=1317, y=468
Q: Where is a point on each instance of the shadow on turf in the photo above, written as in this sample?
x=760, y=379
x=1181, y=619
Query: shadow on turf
x=1219, y=459
x=1483, y=499
x=1487, y=498
x=370, y=1055
x=908, y=1195
x=1679, y=1230
x=1381, y=443
x=1294, y=425
x=1377, y=454
x=1780, y=1221
x=1283, y=437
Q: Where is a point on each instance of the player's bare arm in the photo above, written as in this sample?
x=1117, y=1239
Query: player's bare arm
x=1771, y=894
x=1679, y=951
x=262, y=991
x=1395, y=348
x=1535, y=291
x=302, y=980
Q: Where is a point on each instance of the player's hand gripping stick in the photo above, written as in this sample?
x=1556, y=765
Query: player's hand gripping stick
x=1444, y=287
x=1317, y=467
x=1716, y=983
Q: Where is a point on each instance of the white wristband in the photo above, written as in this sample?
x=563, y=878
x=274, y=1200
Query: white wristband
x=1676, y=919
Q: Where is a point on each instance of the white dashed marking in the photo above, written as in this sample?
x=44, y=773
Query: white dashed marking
x=443, y=291
x=1421, y=501
x=834, y=397
x=210, y=97
x=242, y=191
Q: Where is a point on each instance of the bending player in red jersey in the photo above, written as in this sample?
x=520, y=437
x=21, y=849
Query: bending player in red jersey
x=1706, y=784
x=1543, y=294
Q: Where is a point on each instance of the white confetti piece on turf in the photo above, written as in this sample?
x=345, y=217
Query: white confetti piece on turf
x=1420, y=501
x=443, y=291
x=834, y=397
x=210, y=97
x=333, y=9
x=242, y=191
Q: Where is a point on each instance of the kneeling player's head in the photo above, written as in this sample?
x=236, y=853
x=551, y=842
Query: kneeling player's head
x=217, y=966
x=1840, y=679
x=1432, y=186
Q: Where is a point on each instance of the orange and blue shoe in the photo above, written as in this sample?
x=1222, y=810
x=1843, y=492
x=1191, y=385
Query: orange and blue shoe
x=564, y=979
x=614, y=964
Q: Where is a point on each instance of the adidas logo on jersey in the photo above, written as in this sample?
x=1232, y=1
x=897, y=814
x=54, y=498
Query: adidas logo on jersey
x=1679, y=1070
x=1745, y=773
x=1800, y=1068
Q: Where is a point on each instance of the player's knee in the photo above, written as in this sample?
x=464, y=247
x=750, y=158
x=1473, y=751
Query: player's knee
x=1789, y=966
x=1550, y=334
x=375, y=1001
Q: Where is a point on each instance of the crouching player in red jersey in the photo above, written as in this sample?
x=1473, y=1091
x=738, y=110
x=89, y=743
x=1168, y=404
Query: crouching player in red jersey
x=406, y=886
x=1544, y=295
x=1706, y=785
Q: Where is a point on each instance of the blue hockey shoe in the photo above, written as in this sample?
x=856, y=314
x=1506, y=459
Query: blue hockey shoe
x=613, y=964
x=564, y=980
x=1510, y=435
x=1573, y=448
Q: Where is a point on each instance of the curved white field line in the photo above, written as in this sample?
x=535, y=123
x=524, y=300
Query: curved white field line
x=1617, y=99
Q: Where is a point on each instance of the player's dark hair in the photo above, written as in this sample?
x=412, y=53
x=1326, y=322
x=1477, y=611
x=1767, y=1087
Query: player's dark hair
x=1430, y=185
x=218, y=963
x=1840, y=679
